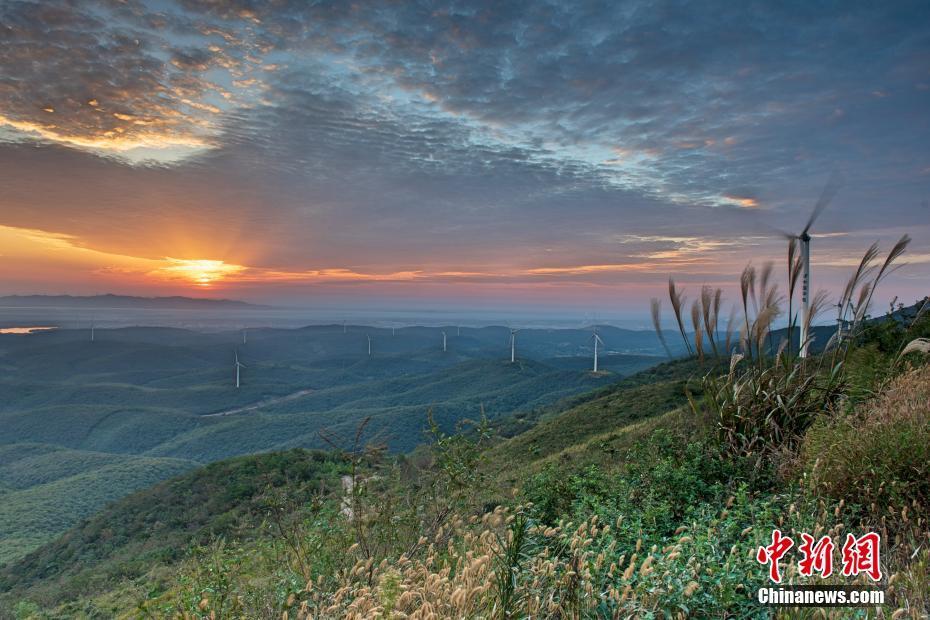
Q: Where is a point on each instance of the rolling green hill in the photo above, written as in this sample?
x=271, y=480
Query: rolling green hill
x=85, y=423
x=593, y=426
x=142, y=535
x=151, y=529
x=165, y=392
x=49, y=489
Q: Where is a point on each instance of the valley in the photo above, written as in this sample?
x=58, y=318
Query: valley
x=87, y=421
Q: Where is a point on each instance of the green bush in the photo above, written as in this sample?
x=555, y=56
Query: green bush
x=661, y=478
x=25, y=610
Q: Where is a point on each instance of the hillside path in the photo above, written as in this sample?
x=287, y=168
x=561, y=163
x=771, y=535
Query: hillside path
x=259, y=404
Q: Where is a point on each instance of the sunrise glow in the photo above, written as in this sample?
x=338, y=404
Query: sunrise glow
x=201, y=272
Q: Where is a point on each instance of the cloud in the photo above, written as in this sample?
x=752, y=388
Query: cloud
x=111, y=79
x=600, y=141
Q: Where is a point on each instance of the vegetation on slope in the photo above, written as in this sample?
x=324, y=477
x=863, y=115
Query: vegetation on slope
x=555, y=436
x=666, y=526
x=154, y=528
x=50, y=489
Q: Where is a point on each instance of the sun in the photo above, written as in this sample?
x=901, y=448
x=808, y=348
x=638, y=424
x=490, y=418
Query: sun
x=201, y=272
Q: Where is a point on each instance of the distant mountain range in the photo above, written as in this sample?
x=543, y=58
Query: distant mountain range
x=121, y=301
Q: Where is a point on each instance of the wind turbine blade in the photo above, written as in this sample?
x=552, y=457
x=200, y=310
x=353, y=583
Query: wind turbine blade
x=775, y=230
x=829, y=191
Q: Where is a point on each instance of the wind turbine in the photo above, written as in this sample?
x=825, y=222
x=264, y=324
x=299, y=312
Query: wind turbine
x=829, y=191
x=513, y=345
x=597, y=340
x=91, y=330
x=238, y=366
x=443, y=342
x=369, y=346
x=244, y=339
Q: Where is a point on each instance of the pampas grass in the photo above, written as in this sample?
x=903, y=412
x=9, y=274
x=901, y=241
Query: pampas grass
x=698, y=334
x=678, y=300
x=918, y=345
x=655, y=309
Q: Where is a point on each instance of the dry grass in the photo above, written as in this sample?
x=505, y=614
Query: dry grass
x=501, y=566
x=907, y=398
x=881, y=453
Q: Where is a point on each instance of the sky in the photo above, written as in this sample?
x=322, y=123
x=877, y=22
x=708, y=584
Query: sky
x=563, y=155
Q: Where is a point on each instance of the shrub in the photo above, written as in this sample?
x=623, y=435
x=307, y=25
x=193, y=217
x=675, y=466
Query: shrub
x=25, y=610
x=881, y=453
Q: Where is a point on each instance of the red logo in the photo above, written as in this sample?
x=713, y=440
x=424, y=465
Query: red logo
x=817, y=557
x=774, y=552
x=860, y=555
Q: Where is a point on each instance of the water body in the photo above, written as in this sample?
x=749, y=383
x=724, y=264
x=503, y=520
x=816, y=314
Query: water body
x=25, y=330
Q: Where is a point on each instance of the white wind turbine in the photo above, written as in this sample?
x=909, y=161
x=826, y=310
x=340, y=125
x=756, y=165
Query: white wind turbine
x=443, y=342
x=92, y=330
x=597, y=341
x=513, y=345
x=244, y=339
x=238, y=366
x=369, y=346
x=833, y=185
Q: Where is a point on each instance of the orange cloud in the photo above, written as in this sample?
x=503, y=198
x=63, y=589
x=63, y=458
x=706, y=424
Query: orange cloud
x=742, y=201
x=109, y=141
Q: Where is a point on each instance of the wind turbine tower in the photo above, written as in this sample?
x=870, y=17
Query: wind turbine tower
x=369, y=346
x=443, y=342
x=833, y=185
x=238, y=366
x=244, y=339
x=513, y=345
x=597, y=341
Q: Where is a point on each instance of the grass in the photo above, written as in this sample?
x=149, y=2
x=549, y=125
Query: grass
x=594, y=418
x=879, y=454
